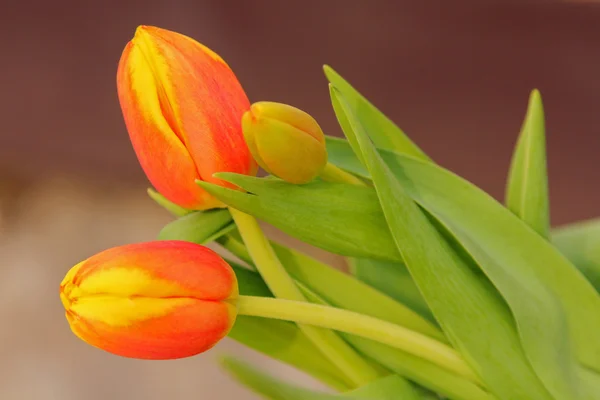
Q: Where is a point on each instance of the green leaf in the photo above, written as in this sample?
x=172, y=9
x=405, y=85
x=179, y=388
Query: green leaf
x=391, y=387
x=386, y=134
x=198, y=227
x=268, y=386
x=281, y=340
x=171, y=207
x=339, y=218
x=469, y=309
x=393, y=279
x=580, y=243
x=503, y=245
x=527, y=187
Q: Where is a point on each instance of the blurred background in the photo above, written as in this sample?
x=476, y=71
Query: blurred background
x=455, y=76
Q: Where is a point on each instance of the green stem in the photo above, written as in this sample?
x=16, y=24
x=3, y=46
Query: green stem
x=357, y=369
x=331, y=173
x=358, y=324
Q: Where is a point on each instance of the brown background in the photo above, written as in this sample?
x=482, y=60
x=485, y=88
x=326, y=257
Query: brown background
x=454, y=75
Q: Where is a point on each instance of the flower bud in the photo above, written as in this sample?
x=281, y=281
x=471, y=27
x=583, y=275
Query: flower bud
x=285, y=141
x=182, y=106
x=154, y=300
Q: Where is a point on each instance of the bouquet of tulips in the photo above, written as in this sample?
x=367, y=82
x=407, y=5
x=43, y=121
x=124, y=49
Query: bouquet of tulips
x=450, y=293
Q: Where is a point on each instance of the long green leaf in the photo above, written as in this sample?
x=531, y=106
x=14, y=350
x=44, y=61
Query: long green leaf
x=502, y=244
x=386, y=134
x=527, y=187
x=281, y=340
x=580, y=243
x=393, y=279
x=314, y=213
x=469, y=309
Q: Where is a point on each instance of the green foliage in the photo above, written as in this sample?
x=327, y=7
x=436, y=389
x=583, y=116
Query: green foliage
x=469, y=309
x=385, y=134
x=427, y=248
x=314, y=213
x=527, y=187
x=506, y=248
x=393, y=279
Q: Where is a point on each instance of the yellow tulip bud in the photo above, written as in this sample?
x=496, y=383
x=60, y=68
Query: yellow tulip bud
x=285, y=141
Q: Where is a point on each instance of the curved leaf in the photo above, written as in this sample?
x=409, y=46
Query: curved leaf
x=385, y=133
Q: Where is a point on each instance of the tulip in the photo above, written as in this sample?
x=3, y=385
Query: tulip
x=154, y=300
x=182, y=106
x=285, y=141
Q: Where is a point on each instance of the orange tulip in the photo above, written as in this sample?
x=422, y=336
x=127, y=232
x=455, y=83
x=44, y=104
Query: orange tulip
x=182, y=106
x=154, y=300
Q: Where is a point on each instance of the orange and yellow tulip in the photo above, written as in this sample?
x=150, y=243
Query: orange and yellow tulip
x=182, y=106
x=154, y=300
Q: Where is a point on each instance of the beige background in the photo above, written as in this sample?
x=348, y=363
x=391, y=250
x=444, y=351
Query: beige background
x=455, y=76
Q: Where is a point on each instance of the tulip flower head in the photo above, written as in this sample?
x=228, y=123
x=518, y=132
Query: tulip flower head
x=182, y=106
x=154, y=300
x=285, y=141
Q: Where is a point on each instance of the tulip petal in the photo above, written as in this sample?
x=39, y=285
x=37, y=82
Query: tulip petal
x=206, y=99
x=187, y=327
x=161, y=153
x=140, y=268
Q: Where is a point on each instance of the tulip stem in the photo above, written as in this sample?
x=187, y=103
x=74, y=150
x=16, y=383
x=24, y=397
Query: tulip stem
x=358, y=324
x=332, y=173
x=356, y=368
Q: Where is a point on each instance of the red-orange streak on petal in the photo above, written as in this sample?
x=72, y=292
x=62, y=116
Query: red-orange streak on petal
x=195, y=268
x=184, y=332
x=164, y=159
x=208, y=104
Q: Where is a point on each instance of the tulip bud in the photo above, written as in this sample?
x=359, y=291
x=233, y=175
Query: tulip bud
x=154, y=300
x=182, y=106
x=285, y=141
